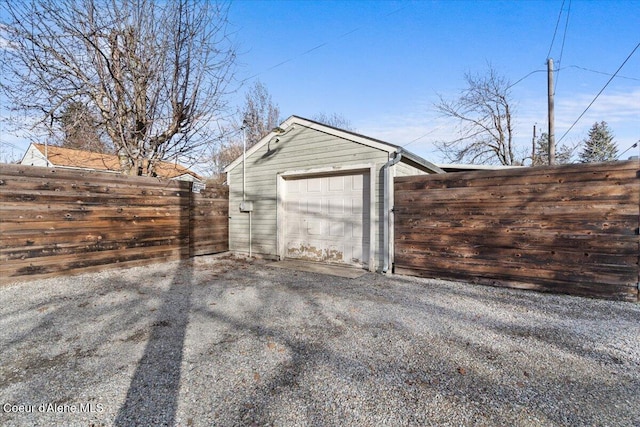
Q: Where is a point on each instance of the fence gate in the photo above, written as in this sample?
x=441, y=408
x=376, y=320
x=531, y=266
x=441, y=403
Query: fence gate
x=209, y=224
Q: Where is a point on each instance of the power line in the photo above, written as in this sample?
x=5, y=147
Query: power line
x=541, y=71
x=8, y=144
x=564, y=68
x=458, y=140
x=564, y=36
x=325, y=43
x=521, y=79
x=599, y=72
x=525, y=77
x=633, y=146
x=445, y=142
x=599, y=93
x=556, y=30
x=420, y=137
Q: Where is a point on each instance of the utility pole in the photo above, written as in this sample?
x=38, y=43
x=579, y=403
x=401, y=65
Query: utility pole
x=533, y=147
x=552, y=134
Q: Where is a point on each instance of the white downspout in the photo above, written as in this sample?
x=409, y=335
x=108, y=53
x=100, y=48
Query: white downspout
x=244, y=160
x=244, y=174
x=387, y=209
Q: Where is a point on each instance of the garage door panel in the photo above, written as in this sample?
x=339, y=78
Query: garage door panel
x=314, y=227
x=335, y=253
x=327, y=218
x=292, y=206
x=314, y=185
x=357, y=182
x=336, y=183
x=293, y=186
x=356, y=206
x=336, y=206
x=314, y=206
x=292, y=228
x=336, y=229
x=356, y=231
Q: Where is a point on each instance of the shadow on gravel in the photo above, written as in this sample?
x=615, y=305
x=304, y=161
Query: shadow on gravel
x=152, y=397
x=407, y=364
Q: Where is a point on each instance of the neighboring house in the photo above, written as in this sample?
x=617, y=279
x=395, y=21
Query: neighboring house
x=59, y=157
x=315, y=192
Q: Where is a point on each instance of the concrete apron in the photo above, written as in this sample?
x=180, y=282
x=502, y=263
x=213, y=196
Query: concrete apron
x=347, y=272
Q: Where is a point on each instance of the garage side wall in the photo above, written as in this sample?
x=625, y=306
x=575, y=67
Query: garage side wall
x=300, y=149
x=407, y=169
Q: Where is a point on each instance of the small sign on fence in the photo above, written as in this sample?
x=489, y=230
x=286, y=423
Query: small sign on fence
x=196, y=187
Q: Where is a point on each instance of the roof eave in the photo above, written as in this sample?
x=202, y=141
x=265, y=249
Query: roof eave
x=340, y=133
x=419, y=160
x=293, y=120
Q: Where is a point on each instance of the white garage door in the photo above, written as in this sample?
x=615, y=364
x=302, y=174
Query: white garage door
x=327, y=218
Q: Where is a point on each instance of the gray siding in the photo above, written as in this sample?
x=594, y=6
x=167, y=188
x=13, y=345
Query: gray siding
x=405, y=169
x=299, y=149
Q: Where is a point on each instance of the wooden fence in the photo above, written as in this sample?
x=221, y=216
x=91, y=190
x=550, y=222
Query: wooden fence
x=568, y=229
x=55, y=221
x=209, y=222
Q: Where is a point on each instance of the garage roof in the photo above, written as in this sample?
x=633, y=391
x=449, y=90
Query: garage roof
x=341, y=133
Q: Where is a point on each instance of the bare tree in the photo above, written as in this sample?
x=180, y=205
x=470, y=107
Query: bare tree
x=9, y=153
x=154, y=73
x=485, y=115
x=260, y=115
x=222, y=156
x=80, y=129
x=335, y=120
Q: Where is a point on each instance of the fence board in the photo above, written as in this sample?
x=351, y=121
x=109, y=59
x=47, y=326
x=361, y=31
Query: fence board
x=569, y=229
x=209, y=234
x=56, y=221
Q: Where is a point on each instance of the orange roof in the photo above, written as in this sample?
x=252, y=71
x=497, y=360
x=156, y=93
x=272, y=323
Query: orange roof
x=67, y=157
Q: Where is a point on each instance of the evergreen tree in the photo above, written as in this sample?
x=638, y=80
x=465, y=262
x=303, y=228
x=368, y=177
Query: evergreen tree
x=599, y=146
x=541, y=155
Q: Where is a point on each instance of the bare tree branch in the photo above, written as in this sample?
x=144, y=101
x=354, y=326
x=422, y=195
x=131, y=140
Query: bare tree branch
x=156, y=73
x=484, y=113
x=261, y=115
x=336, y=120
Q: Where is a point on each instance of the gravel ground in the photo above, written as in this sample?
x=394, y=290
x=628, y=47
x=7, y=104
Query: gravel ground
x=221, y=341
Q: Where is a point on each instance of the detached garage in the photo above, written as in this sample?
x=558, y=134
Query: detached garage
x=314, y=192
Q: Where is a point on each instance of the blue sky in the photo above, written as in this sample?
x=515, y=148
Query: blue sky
x=382, y=64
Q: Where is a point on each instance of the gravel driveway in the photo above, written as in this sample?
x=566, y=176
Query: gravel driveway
x=220, y=341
